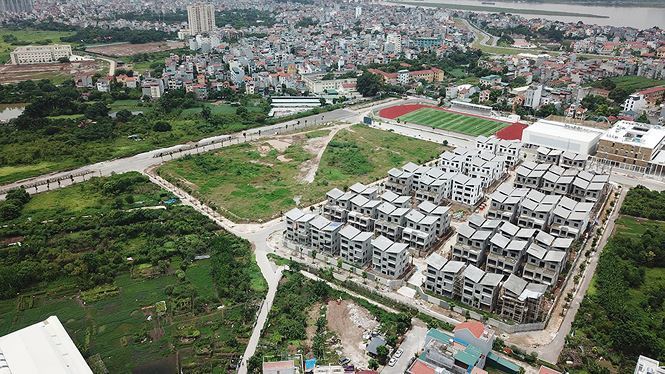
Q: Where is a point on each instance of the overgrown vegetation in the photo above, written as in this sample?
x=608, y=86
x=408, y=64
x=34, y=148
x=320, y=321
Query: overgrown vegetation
x=642, y=202
x=119, y=270
x=623, y=314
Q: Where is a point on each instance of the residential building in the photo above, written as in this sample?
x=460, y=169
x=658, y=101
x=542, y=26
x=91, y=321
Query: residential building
x=646, y=365
x=40, y=54
x=570, y=219
x=471, y=245
x=399, y=181
x=444, y=277
x=325, y=235
x=355, y=246
x=390, y=259
x=200, y=18
x=152, y=88
x=480, y=290
x=298, y=229
x=505, y=201
x=16, y=6
x=505, y=255
x=467, y=190
x=280, y=367
x=103, y=85
x=535, y=210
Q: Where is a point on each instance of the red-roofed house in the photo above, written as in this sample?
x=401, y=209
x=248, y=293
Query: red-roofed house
x=477, y=334
x=546, y=370
x=280, y=367
x=653, y=95
x=421, y=367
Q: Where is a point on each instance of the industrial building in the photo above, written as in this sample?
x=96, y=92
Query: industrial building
x=562, y=136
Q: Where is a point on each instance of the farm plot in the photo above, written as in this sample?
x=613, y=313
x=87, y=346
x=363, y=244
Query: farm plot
x=454, y=122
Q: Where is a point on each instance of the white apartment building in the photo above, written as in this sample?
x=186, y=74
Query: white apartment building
x=443, y=212
x=40, y=54
x=399, y=201
x=355, y=246
x=466, y=190
x=200, y=18
x=390, y=259
x=543, y=266
x=390, y=221
x=420, y=231
x=635, y=103
x=152, y=88
x=395, y=41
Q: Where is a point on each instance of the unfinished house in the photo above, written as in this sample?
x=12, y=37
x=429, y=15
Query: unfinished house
x=400, y=201
x=466, y=190
x=542, y=265
x=480, y=290
x=549, y=241
x=589, y=187
x=325, y=235
x=433, y=190
x=535, y=210
x=338, y=204
x=505, y=202
x=420, y=232
x=355, y=246
x=570, y=219
x=298, y=228
x=548, y=155
x=471, y=246
x=387, y=224
x=510, y=149
x=444, y=277
x=369, y=192
x=558, y=181
x=573, y=160
x=505, y=255
x=443, y=212
x=389, y=259
x=530, y=175
x=521, y=301
x=399, y=181
x=363, y=213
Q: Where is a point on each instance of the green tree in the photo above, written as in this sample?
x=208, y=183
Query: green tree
x=9, y=210
x=161, y=126
x=369, y=84
x=19, y=195
x=643, y=118
x=382, y=354
x=373, y=364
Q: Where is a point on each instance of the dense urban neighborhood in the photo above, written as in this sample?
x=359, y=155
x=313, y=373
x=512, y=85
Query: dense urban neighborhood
x=300, y=186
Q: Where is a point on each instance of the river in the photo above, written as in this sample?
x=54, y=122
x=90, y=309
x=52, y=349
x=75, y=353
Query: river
x=641, y=17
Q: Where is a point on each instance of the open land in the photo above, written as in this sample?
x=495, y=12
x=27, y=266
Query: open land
x=56, y=72
x=453, y=122
x=127, y=49
x=124, y=285
x=275, y=173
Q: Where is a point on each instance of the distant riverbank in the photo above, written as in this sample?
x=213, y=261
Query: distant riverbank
x=495, y=9
x=630, y=13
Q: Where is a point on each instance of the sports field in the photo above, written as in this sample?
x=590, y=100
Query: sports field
x=453, y=122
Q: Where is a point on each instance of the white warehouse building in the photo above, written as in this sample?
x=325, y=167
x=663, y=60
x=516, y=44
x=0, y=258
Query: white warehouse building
x=566, y=137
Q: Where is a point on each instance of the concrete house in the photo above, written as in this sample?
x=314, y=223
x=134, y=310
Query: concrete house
x=466, y=190
x=325, y=235
x=505, y=255
x=432, y=190
x=443, y=212
x=387, y=225
x=543, y=266
x=549, y=241
x=471, y=246
x=521, y=301
x=505, y=201
x=570, y=219
x=400, y=201
x=535, y=210
x=338, y=204
x=548, y=155
x=530, y=175
x=298, y=228
x=573, y=160
x=480, y=289
x=399, y=181
x=589, y=187
x=355, y=246
x=420, y=232
x=390, y=259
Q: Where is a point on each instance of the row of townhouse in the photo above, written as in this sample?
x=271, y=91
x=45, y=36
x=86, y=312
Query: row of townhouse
x=390, y=215
x=579, y=185
x=559, y=215
x=359, y=248
x=510, y=149
x=475, y=163
x=511, y=297
x=502, y=248
x=564, y=159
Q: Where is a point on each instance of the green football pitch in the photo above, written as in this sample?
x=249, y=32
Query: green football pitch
x=453, y=122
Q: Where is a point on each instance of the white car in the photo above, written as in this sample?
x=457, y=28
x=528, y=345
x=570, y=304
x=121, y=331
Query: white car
x=398, y=353
x=392, y=362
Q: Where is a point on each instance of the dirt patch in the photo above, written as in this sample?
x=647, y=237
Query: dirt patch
x=117, y=50
x=350, y=321
x=280, y=144
x=18, y=73
x=284, y=158
x=312, y=316
x=316, y=146
x=262, y=163
x=264, y=149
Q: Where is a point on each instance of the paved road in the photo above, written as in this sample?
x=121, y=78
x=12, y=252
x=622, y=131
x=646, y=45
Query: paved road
x=412, y=344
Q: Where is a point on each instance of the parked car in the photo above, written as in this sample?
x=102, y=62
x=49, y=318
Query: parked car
x=398, y=353
x=392, y=362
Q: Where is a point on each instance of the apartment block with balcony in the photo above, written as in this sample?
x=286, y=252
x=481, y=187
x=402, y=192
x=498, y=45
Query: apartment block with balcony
x=325, y=235
x=355, y=246
x=558, y=181
x=505, y=255
x=521, y=301
x=389, y=259
x=543, y=266
x=338, y=204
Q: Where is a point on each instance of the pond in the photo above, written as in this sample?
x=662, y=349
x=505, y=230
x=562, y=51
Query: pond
x=10, y=111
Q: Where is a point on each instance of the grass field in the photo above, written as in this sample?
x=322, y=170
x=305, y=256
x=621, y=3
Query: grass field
x=27, y=37
x=258, y=181
x=635, y=83
x=453, y=122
